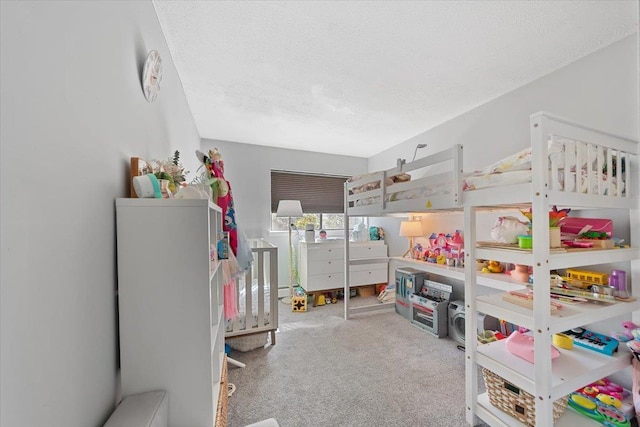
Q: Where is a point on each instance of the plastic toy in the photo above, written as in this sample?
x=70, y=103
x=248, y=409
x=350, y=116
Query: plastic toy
x=493, y=267
x=522, y=346
x=598, y=410
x=592, y=277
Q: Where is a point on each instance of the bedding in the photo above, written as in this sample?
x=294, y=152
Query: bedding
x=373, y=185
x=560, y=151
x=514, y=169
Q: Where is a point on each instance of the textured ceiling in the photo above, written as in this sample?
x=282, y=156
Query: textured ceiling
x=356, y=78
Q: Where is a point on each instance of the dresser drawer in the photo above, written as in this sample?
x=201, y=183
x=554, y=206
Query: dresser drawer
x=325, y=254
x=369, y=277
x=321, y=282
x=368, y=267
x=367, y=251
x=324, y=266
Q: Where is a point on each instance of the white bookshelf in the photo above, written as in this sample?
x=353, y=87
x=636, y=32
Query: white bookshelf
x=170, y=304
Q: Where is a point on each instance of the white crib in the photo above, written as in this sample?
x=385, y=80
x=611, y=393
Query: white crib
x=257, y=294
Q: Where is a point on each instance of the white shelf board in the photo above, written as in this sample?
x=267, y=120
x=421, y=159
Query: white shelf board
x=496, y=417
x=430, y=267
x=505, y=255
x=568, y=317
x=592, y=257
x=573, y=369
x=561, y=259
x=502, y=282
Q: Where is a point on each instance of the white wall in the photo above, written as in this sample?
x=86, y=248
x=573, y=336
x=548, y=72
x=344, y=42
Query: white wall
x=600, y=90
x=72, y=113
x=247, y=167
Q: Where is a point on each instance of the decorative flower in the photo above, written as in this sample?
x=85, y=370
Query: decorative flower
x=555, y=216
x=170, y=169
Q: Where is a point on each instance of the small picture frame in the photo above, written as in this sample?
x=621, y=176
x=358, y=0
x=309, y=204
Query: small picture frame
x=138, y=167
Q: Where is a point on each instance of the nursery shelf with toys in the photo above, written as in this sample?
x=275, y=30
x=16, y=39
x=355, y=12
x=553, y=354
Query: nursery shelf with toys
x=550, y=376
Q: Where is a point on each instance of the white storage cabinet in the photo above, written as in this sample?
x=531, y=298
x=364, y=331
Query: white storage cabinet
x=170, y=304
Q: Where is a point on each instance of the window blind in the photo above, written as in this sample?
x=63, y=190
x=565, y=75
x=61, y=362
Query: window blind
x=317, y=193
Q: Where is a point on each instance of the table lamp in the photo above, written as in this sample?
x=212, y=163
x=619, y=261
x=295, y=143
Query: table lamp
x=411, y=229
x=290, y=209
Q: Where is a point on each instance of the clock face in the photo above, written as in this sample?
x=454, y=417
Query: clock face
x=152, y=75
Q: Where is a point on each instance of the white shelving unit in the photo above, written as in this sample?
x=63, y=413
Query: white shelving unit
x=170, y=296
x=579, y=175
x=545, y=379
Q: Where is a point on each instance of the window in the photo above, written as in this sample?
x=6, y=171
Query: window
x=321, y=197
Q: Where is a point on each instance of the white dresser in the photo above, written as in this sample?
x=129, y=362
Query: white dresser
x=321, y=265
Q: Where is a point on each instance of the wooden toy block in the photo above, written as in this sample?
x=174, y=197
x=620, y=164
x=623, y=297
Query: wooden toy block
x=299, y=303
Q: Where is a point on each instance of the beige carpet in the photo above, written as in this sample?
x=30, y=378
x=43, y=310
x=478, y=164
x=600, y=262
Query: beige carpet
x=375, y=369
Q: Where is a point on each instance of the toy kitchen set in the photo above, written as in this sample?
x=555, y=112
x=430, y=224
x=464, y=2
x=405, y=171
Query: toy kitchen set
x=429, y=307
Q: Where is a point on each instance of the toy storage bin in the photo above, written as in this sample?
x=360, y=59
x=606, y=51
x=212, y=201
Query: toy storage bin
x=516, y=402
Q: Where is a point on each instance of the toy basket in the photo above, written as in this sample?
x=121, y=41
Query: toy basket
x=516, y=402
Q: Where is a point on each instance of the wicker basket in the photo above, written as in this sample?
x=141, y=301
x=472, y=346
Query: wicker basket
x=516, y=402
x=223, y=397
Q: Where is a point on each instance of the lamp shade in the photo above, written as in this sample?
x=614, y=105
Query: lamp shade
x=291, y=208
x=411, y=229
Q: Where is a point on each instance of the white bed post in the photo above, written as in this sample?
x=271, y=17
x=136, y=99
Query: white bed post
x=541, y=296
x=471, y=322
x=347, y=278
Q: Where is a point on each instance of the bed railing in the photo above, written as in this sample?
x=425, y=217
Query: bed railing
x=587, y=167
x=436, y=183
x=257, y=293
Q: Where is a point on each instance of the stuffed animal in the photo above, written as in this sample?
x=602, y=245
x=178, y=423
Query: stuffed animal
x=221, y=193
x=507, y=229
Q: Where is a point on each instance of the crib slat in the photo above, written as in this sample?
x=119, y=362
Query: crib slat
x=260, y=284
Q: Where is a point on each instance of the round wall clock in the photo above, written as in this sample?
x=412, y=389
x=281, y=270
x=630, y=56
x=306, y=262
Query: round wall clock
x=152, y=75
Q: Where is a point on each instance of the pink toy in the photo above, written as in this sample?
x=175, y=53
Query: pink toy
x=629, y=326
x=522, y=346
x=604, y=390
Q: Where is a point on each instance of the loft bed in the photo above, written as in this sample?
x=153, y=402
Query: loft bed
x=573, y=164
